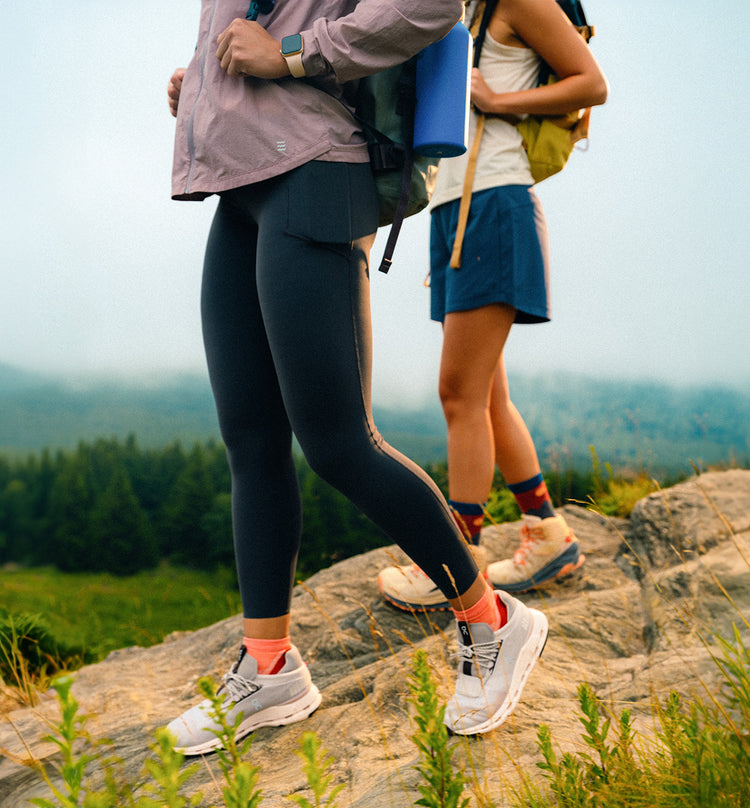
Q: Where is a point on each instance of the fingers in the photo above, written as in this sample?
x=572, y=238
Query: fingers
x=223, y=45
x=173, y=90
x=229, y=44
x=245, y=48
x=480, y=92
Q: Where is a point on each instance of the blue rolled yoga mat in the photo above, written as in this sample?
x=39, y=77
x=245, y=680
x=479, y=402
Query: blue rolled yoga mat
x=441, y=123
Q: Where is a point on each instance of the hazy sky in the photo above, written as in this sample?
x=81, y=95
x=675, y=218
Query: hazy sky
x=650, y=243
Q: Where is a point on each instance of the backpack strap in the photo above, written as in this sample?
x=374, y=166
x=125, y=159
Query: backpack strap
x=480, y=24
x=482, y=16
x=406, y=104
x=259, y=7
x=463, y=211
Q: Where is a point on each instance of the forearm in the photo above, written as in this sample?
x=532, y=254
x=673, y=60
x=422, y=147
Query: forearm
x=376, y=35
x=559, y=98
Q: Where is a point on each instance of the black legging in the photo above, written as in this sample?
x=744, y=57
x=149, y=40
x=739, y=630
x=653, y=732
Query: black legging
x=286, y=325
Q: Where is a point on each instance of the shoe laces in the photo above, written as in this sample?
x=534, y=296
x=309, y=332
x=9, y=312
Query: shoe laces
x=238, y=687
x=529, y=537
x=482, y=654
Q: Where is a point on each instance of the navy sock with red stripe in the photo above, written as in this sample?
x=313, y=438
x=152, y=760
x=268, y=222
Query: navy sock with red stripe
x=533, y=497
x=469, y=517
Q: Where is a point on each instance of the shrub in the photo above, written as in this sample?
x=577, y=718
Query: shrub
x=28, y=651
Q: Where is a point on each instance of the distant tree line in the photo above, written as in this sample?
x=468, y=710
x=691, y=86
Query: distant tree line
x=112, y=506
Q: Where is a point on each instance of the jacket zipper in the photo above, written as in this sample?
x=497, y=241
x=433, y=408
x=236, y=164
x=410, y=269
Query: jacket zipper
x=190, y=135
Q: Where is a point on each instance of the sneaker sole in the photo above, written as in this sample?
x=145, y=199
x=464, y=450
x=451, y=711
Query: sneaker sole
x=530, y=653
x=277, y=716
x=563, y=565
x=416, y=607
x=407, y=606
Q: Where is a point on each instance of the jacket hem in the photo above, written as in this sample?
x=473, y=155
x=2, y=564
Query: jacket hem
x=202, y=190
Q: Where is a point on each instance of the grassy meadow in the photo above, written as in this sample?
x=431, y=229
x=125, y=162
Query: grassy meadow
x=99, y=612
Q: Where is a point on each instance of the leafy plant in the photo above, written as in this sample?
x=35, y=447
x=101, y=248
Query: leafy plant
x=616, y=496
x=168, y=776
x=315, y=764
x=67, y=732
x=698, y=755
x=28, y=652
x=442, y=787
x=241, y=777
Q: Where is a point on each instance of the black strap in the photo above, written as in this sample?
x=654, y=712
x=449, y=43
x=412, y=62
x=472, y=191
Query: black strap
x=407, y=98
x=575, y=13
x=489, y=10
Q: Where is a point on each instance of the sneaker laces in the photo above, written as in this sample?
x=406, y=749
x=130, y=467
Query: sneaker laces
x=482, y=654
x=237, y=687
x=529, y=537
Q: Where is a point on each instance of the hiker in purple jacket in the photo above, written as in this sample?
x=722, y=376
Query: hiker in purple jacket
x=286, y=325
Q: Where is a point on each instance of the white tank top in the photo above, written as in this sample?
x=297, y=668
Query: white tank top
x=502, y=159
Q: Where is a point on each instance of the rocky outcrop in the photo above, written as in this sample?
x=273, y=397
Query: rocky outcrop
x=633, y=622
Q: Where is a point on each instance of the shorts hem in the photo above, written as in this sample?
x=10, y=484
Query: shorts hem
x=522, y=317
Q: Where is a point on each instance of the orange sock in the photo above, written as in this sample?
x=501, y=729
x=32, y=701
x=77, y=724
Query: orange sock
x=488, y=609
x=268, y=653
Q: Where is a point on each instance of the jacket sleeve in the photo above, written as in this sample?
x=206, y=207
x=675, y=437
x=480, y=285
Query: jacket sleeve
x=375, y=35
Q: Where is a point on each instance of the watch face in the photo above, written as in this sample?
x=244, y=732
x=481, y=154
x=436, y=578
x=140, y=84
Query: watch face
x=291, y=44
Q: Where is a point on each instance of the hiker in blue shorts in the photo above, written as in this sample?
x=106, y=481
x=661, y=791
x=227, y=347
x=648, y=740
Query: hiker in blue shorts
x=286, y=326
x=498, y=277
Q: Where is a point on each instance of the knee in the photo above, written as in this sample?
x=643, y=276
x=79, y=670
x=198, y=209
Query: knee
x=449, y=391
x=457, y=401
x=344, y=459
x=330, y=459
x=452, y=407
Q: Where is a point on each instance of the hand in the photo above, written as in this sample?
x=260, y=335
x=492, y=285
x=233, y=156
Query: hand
x=173, y=90
x=481, y=95
x=247, y=49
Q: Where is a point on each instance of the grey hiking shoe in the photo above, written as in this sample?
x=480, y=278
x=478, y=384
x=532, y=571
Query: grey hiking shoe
x=263, y=700
x=493, y=668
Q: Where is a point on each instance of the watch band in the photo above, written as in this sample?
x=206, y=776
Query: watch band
x=296, y=68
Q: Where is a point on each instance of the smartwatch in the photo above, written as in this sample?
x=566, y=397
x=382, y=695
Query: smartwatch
x=291, y=49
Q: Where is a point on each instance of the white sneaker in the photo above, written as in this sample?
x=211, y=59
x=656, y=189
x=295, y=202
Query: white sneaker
x=493, y=668
x=410, y=589
x=265, y=700
x=548, y=550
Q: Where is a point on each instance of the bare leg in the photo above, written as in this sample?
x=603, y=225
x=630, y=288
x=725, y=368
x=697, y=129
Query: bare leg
x=473, y=343
x=471, y=597
x=266, y=628
x=515, y=454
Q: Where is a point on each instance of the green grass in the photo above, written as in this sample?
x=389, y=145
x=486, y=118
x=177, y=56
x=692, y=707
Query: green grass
x=698, y=755
x=102, y=612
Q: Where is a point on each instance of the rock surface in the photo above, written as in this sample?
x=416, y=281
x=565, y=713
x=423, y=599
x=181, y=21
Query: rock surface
x=632, y=622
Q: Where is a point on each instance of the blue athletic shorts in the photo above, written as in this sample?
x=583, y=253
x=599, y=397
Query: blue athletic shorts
x=505, y=256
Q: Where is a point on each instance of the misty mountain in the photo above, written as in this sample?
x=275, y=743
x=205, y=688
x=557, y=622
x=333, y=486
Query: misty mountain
x=639, y=425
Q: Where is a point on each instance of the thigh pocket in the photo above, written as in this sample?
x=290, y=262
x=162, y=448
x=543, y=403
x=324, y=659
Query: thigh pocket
x=331, y=202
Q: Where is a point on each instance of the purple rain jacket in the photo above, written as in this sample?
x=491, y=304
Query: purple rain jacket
x=237, y=131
